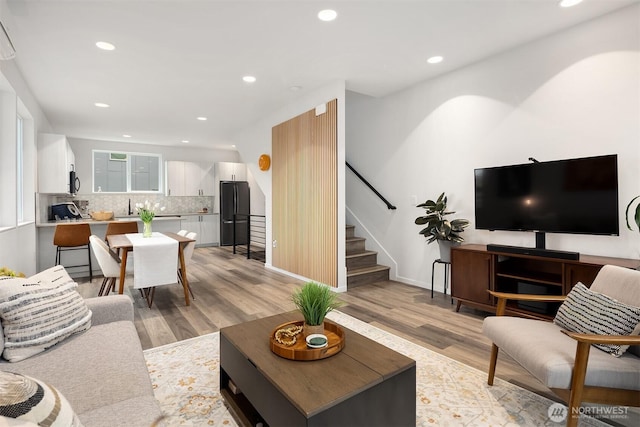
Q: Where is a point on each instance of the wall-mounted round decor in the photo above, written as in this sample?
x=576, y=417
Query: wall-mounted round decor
x=264, y=162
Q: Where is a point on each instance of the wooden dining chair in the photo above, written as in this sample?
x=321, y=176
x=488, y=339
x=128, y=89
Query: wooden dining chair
x=188, y=254
x=121, y=227
x=70, y=237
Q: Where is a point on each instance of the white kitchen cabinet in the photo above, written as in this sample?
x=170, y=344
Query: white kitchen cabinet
x=228, y=171
x=55, y=161
x=189, y=179
x=174, y=179
x=205, y=225
x=207, y=179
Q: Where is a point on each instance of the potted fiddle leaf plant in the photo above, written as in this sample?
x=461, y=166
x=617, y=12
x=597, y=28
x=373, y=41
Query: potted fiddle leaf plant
x=314, y=301
x=633, y=215
x=438, y=228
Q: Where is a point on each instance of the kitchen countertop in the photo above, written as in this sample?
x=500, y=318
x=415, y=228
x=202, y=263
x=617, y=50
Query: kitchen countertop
x=163, y=217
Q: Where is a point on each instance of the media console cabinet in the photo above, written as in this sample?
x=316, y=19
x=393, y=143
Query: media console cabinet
x=475, y=270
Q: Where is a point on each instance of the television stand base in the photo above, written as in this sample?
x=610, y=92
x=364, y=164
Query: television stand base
x=545, y=253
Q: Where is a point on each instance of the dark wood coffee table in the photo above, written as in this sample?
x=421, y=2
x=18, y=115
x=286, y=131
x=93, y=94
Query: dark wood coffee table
x=366, y=384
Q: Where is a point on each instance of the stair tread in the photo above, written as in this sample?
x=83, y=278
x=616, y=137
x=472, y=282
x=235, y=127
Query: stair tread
x=368, y=269
x=355, y=239
x=359, y=254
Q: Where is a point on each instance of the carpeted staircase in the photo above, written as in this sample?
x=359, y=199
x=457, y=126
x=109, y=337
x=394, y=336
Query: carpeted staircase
x=362, y=265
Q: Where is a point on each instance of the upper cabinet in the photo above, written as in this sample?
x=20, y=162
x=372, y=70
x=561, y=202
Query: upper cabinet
x=228, y=171
x=55, y=161
x=189, y=179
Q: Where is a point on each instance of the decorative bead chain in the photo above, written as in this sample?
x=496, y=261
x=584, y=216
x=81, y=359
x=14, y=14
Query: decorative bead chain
x=288, y=336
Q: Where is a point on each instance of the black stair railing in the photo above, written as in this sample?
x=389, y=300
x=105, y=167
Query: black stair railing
x=255, y=236
x=389, y=205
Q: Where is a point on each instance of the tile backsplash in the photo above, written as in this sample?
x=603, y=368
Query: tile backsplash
x=119, y=203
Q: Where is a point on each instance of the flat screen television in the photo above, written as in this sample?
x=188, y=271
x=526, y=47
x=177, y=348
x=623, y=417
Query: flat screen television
x=563, y=196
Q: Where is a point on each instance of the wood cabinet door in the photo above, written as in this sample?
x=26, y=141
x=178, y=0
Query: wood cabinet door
x=574, y=273
x=471, y=275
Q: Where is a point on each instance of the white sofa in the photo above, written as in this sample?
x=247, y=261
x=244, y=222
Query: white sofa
x=102, y=371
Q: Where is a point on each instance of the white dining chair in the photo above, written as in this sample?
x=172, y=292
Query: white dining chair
x=109, y=264
x=182, y=233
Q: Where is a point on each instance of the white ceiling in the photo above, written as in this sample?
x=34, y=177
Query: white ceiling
x=176, y=60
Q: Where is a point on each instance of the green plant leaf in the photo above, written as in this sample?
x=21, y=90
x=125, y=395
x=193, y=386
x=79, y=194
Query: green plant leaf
x=314, y=301
x=429, y=204
x=636, y=216
x=436, y=226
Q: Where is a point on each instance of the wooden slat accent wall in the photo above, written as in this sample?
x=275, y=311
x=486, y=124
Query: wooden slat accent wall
x=304, y=195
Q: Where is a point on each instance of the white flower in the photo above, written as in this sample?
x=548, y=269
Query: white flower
x=147, y=211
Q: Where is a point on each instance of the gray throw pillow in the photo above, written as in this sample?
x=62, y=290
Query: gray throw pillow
x=588, y=312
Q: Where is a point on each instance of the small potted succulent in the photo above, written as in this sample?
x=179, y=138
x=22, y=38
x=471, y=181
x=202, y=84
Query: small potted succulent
x=314, y=301
x=438, y=228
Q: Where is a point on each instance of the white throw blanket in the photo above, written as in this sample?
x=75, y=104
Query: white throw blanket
x=155, y=260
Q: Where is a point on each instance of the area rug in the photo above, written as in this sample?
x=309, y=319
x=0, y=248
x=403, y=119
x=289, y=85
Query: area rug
x=185, y=377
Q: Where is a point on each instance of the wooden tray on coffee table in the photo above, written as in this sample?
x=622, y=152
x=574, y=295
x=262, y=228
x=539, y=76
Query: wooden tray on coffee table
x=300, y=351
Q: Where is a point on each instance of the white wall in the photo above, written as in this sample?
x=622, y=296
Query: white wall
x=256, y=140
x=18, y=240
x=573, y=94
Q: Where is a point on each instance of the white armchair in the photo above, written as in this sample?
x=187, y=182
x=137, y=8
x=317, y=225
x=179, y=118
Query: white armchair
x=565, y=361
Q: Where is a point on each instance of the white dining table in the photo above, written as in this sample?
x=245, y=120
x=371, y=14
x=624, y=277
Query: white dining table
x=122, y=242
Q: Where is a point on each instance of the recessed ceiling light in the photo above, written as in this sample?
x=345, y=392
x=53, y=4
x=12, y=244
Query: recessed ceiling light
x=435, y=59
x=249, y=79
x=327, y=15
x=126, y=136
x=569, y=3
x=101, y=105
x=185, y=141
x=295, y=88
x=105, y=46
x=201, y=118
x=233, y=145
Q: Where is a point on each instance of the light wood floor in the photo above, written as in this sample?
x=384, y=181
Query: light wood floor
x=230, y=289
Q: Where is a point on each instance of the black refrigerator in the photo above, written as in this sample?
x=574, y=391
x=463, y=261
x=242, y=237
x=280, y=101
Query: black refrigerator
x=234, y=200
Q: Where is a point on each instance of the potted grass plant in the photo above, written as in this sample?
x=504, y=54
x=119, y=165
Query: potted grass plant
x=314, y=301
x=440, y=229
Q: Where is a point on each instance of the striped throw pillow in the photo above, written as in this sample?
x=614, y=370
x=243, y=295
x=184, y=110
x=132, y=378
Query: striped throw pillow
x=34, y=402
x=588, y=312
x=39, y=312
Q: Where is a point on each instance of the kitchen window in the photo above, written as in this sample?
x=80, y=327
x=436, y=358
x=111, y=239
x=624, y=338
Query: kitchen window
x=125, y=172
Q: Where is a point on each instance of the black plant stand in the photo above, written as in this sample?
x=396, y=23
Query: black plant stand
x=446, y=275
